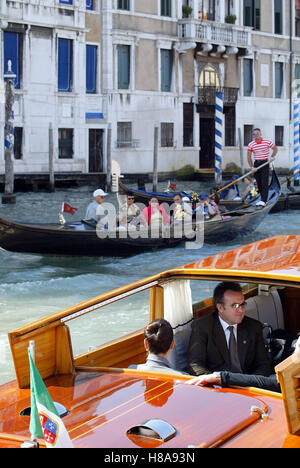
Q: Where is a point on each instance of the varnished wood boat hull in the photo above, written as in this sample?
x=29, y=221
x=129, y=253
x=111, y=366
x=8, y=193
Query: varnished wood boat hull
x=105, y=398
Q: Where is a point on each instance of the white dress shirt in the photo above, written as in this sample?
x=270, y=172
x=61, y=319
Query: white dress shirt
x=225, y=326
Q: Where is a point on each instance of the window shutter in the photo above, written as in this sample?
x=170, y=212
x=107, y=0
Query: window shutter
x=123, y=66
x=64, y=65
x=91, y=69
x=12, y=51
x=248, y=78
x=278, y=79
x=166, y=70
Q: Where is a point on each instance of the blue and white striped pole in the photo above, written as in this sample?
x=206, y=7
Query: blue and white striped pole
x=219, y=138
x=8, y=196
x=296, y=143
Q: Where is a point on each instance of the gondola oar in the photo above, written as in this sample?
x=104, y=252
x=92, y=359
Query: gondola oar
x=288, y=180
x=238, y=180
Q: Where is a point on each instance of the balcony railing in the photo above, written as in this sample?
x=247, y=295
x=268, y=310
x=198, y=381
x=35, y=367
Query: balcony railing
x=207, y=95
x=210, y=31
x=46, y=12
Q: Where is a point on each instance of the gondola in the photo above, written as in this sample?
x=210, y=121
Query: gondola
x=83, y=237
x=285, y=200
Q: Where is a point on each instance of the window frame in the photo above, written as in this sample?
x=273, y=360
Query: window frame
x=207, y=10
x=65, y=66
x=251, y=78
x=166, y=9
x=14, y=52
x=254, y=20
x=94, y=87
x=123, y=84
x=63, y=143
x=166, y=76
x=167, y=134
x=124, y=134
x=18, y=142
x=279, y=139
x=90, y=5
x=279, y=12
x=247, y=131
x=123, y=5
x=279, y=65
x=188, y=125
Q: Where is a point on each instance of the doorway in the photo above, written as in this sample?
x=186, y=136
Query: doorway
x=96, y=150
x=207, y=141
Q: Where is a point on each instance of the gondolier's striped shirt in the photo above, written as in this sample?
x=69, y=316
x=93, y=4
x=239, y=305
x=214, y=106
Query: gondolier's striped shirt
x=260, y=150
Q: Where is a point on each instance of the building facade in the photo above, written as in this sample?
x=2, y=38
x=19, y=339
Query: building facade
x=84, y=67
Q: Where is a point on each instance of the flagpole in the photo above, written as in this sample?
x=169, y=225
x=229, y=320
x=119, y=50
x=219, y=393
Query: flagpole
x=32, y=349
x=61, y=218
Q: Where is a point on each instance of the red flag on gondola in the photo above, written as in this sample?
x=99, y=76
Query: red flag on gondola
x=66, y=208
x=172, y=186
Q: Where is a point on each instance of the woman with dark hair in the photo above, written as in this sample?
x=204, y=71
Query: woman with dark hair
x=158, y=342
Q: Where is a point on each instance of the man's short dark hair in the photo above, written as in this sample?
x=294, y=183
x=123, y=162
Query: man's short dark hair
x=159, y=335
x=222, y=288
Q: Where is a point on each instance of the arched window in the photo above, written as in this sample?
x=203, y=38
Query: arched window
x=209, y=77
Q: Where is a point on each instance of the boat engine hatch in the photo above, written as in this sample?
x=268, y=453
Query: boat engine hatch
x=154, y=429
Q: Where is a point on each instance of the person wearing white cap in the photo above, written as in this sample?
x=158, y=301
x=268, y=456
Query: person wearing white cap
x=92, y=212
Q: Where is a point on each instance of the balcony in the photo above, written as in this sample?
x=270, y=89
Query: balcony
x=207, y=95
x=223, y=34
x=46, y=13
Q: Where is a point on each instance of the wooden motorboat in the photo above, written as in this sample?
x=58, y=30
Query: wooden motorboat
x=83, y=238
x=106, y=404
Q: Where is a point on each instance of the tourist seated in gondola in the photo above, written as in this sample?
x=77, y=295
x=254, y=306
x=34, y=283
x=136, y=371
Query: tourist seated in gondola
x=129, y=214
x=232, y=192
x=183, y=209
x=250, y=191
x=209, y=208
x=158, y=342
x=155, y=215
x=95, y=212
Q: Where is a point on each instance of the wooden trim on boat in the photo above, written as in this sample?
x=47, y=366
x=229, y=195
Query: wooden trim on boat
x=288, y=373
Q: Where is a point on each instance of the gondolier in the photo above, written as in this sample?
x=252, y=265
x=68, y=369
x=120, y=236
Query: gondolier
x=260, y=148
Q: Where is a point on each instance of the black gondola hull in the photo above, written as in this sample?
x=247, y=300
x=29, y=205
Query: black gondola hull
x=80, y=238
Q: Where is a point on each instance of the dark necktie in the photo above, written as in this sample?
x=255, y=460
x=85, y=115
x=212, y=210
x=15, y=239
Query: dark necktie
x=235, y=365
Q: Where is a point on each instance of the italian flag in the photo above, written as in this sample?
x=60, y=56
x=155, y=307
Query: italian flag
x=45, y=422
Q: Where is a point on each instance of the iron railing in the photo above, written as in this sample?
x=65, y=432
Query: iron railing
x=207, y=95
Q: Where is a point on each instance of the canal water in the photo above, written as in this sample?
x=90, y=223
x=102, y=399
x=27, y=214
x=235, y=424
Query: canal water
x=34, y=286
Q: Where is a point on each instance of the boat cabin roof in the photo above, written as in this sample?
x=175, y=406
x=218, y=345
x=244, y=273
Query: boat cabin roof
x=273, y=258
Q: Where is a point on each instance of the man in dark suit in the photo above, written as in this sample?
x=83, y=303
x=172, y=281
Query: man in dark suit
x=227, y=340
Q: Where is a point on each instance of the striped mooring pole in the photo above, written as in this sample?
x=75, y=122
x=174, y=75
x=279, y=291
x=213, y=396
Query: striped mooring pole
x=9, y=196
x=296, y=143
x=218, y=138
